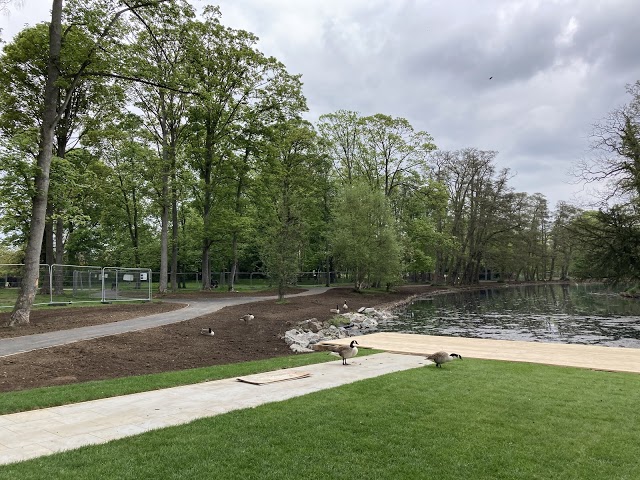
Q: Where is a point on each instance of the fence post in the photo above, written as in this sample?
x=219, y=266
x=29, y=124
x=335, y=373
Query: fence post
x=50, y=283
x=104, y=300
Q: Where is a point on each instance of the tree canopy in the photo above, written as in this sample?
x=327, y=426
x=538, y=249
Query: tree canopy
x=139, y=133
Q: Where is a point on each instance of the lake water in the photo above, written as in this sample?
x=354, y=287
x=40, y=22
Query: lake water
x=583, y=314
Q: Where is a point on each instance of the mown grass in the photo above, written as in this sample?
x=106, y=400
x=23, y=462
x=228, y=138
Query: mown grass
x=23, y=400
x=469, y=420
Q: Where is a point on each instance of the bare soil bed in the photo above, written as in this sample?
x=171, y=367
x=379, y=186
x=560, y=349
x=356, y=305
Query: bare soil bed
x=173, y=347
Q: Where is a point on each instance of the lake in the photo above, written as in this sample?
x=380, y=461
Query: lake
x=583, y=314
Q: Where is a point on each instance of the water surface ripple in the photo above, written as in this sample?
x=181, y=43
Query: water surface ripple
x=582, y=314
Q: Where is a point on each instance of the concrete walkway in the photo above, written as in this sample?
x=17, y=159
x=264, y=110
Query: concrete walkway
x=196, y=308
x=36, y=433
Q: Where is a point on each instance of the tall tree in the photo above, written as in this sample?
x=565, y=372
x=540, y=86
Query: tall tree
x=50, y=118
x=393, y=150
x=608, y=246
x=53, y=108
x=563, y=241
x=365, y=240
x=616, y=147
x=482, y=207
x=160, y=52
x=287, y=182
x=609, y=242
x=233, y=80
x=128, y=158
x=341, y=139
x=23, y=71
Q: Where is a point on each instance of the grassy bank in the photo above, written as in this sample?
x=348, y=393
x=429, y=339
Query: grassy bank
x=23, y=400
x=472, y=419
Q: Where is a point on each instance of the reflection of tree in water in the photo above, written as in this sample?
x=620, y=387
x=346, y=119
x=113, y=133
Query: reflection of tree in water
x=562, y=313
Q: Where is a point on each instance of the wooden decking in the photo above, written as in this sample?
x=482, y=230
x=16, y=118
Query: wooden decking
x=581, y=356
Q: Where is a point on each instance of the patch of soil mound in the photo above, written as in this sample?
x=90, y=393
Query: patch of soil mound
x=177, y=346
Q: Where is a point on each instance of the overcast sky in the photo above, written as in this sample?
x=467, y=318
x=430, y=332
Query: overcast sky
x=557, y=67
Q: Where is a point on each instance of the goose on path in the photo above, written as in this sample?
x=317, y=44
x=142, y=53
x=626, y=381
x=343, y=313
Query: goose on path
x=345, y=351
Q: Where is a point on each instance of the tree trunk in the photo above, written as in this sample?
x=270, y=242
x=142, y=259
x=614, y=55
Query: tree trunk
x=48, y=236
x=234, y=263
x=174, y=235
x=164, y=238
x=31, y=272
x=281, y=288
x=206, y=271
x=58, y=279
x=48, y=245
x=164, y=233
x=234, y=239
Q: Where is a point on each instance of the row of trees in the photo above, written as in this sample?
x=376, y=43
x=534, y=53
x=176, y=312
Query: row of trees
x=175, y=144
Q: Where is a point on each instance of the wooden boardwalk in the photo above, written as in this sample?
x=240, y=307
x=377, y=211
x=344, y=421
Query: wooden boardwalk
x=581, y=356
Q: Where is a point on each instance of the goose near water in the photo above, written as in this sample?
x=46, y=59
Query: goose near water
x=247, y=318
x=207, y=331
x=442, y=357
x=335, y=310
x=345, y=351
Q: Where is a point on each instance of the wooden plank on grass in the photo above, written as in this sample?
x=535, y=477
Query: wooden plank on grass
x=272, y=377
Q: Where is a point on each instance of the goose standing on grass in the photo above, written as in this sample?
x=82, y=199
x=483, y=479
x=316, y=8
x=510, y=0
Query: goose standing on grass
x=207, y=331
x=442, y=357
x=345, y=351
x=345, y=306
x=335, y=310
x=247, y=318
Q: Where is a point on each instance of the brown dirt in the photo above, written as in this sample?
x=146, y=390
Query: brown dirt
x=173, y=347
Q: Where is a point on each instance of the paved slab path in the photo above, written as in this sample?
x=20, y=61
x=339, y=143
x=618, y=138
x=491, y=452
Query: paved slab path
x=197, y=308
x=36, y=433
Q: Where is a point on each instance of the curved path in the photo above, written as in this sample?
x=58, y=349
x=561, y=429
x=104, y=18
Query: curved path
x=196, y=308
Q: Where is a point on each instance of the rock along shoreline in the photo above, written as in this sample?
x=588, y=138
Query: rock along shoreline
x=366, y=320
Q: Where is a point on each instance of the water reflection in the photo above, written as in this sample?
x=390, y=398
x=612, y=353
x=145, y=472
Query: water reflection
x=584, y=314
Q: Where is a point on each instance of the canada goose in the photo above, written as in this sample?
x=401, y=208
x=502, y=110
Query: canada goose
x=247, y=318
x=343, y=350
x=335, y=310
x=207, y=331
x=442, y=357
x=345, y=306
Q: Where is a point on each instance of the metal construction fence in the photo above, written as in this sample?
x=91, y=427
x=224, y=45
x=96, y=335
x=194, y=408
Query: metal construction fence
x=65, y=284
x=193, y=280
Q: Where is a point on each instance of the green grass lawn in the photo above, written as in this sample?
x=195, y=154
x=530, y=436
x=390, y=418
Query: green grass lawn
x=473, y=419
x=23, y=400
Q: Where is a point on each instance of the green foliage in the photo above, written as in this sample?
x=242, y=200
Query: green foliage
x=365, y=242
x=286, y=183
x=617, y=139
x=215, y=123
x=609, y=242
x=421, y=210
x=230, y=121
